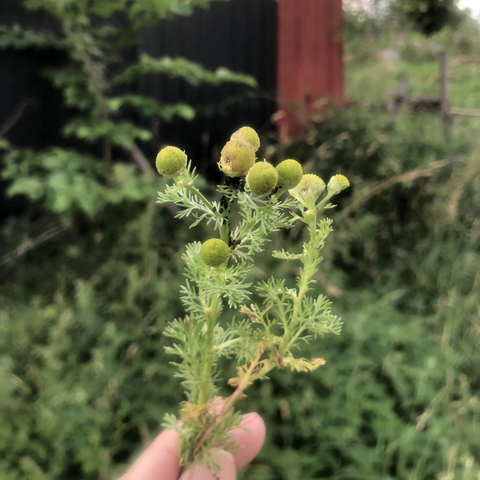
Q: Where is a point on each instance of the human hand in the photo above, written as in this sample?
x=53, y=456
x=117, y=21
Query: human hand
x=160, y=460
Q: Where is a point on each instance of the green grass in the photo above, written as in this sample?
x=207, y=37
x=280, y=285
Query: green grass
x=375, y=82
x=372, y=82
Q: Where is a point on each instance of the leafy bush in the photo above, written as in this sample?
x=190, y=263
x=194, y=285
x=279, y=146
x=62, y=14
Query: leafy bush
x=66, y=182
x=96, y=88
x=83, y=375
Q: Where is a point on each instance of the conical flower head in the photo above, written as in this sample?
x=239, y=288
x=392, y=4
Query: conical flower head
x=237, y=158
x=248, y=134
x=262, y=178
x=337, y=183
x=308, y=190
x=214, y=252
x=290, y=173
x=171, y=162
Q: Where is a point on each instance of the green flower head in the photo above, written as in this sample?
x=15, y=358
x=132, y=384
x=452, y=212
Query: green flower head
x=290, y=173
x=337, y=183
x=237, y=158
x=214, y=252
x=262, y=178
x=171, y=162
x=308, y=190
x=248, y=134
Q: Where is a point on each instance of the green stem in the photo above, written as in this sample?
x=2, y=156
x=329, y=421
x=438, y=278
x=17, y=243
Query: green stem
x=226, y=203
x=94, y=72
x=296, y=309
x=230, y=402
x=313, y=230
x=292, y=341
x=324, y=201
x=280, y=192
x=225, y=231
x=212, y=313
x=302, y=290
x=196, y=192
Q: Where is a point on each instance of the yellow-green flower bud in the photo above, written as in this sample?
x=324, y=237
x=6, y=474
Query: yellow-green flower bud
x=214, y=252
x=290, y=173
x=337, y=183
x=308, y=190
x=171, y=162
x=262, y=178
x=237, y=158
x=248, y=134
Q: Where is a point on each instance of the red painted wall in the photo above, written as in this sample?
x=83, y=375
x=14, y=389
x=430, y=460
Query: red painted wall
x=310, y=66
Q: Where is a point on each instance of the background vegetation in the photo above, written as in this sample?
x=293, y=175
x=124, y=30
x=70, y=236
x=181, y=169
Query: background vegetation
x=90, y=270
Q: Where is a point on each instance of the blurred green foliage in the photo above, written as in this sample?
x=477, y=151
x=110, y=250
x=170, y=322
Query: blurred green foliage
x=84, y=382
x=81, y=347
x=66, y=182
x=94, y=82
x=385, y=25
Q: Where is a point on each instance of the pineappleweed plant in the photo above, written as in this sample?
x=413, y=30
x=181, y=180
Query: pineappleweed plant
x=255, y=201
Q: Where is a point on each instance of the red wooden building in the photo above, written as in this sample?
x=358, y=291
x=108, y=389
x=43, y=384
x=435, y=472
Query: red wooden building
x=309, y=59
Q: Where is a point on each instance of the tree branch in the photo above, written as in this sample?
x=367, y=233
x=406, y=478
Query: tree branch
x=141, y=160
x=15, y=116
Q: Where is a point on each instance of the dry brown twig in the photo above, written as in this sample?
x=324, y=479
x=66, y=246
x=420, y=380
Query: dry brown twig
x=371, y=190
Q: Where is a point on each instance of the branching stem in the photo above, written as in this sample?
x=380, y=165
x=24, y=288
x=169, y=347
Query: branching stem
x=251, y=375
x=247, y=379
x=212, y=311
x=200, y=195
x=303, y=287
x=95, y=75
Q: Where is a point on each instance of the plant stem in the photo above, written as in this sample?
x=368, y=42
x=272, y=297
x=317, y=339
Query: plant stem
x=313, y=230
x=95, y=75
x=303, y=286
x=209, y=354
x=225, y=231
x=258, y=368
x=249, y=377
x=213, y=310
x=324, y=201
x=225, y=205
x=196, y=192
x=292, y=341
x=280, y=192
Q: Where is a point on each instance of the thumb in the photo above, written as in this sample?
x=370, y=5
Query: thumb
x=202, y=472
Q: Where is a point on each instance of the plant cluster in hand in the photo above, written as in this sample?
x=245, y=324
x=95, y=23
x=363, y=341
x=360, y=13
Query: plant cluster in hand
x=256, y=200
